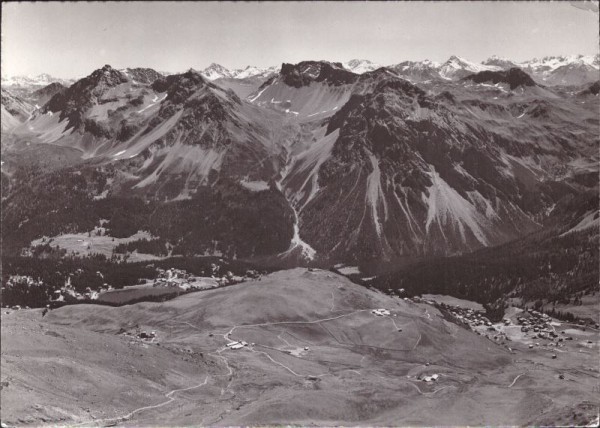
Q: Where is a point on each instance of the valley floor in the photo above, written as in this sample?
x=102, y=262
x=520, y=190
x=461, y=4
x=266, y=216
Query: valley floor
x=310, y=352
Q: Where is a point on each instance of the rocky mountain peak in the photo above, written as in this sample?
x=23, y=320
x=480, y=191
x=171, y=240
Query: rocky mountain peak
x=180, y=86
x=143, y=75
x=301, y=74
x=105, y=76
x=216, y=71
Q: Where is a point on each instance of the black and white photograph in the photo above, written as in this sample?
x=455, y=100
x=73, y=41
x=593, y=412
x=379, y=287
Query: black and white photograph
x=300, y=213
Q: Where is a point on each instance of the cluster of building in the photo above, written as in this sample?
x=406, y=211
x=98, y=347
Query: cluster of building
x=68, y=294
x=147, y=335
x=471, y=317
x=23, y=281
x=535, y=321
x=236, y=345
x=172, y=278
x=478, y=322
x=380, y=312
x=182, y=279
x=538, y=325
x=144, y=335
x=429, y=378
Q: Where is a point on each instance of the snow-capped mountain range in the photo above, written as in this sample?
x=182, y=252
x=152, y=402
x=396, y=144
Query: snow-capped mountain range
x=217, y=71
x=360, y=66
x=550, y=70
x=43, y=79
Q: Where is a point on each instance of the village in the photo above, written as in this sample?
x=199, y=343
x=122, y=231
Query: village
x=186, y=281
x=530, y=327
x=178, y=279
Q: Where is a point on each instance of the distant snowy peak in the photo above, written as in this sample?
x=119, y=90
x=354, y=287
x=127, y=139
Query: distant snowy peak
x=252, y=71
x=550, y=70
x=43, y=79
x=216, y=71
x=563, y=70
x=547, y=63
x=454, y=68
x=417, y=71
x=360, y=66
x=457, y=68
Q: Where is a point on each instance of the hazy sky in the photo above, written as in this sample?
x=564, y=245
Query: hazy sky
x=73, y=39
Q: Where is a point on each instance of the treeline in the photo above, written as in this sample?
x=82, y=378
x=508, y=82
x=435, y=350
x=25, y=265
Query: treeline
x=157, y=247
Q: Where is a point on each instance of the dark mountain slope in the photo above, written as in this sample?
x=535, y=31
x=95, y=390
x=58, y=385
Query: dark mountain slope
x=43, y=95
x=358, y=168
x=513, y=77
x=554, y=264
x=414, y=180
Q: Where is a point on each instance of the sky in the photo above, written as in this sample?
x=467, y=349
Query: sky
x=72, y=39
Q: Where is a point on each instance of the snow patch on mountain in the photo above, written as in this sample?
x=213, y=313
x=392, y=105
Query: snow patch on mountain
x=375, y=193
x=308, y=252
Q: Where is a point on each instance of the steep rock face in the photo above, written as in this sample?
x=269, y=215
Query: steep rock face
x=15, y=106
x=307, y=90
x=143, y=75
x=43, y=95
x=200, y=130
x=301, y=74
x=84, y=93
